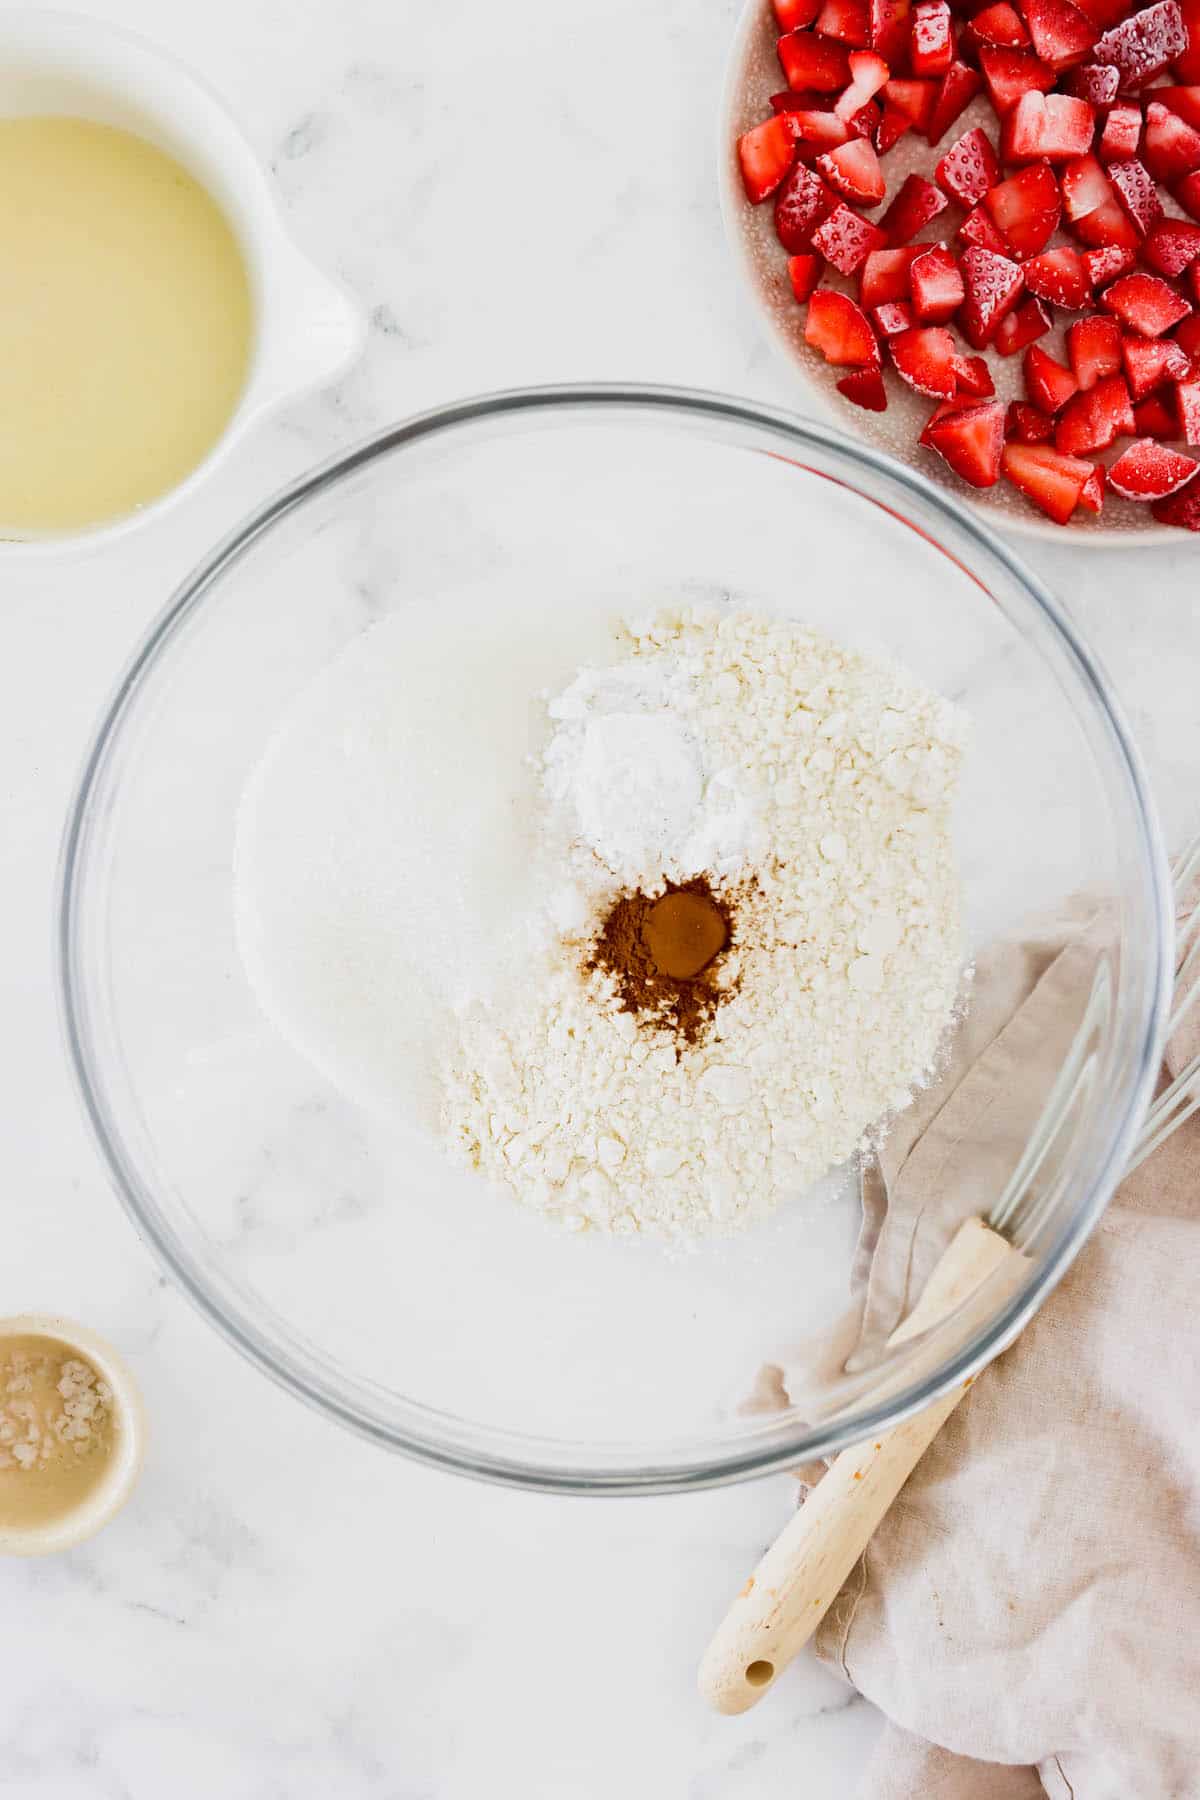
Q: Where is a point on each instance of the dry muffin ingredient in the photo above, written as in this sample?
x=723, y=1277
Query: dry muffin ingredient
x=56, y=1428
x=661, y=954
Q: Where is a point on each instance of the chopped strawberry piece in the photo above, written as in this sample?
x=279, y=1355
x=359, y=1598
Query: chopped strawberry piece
x=1172, y=145
x=865, y=122
x=794, y=15
x=765, y=154
x=931, y=46
x=800, y=205
x=865, y=388
x=893, y=317
x=959, y=86
x=811, y=61
x=1048, y=384
x=1085, y=187
x=1180, y=509
x=1104, y=13
x=820, y=128
x=885, y=276
x=1097, y=83
x=1001, y=26
x=979, y=228
x=925, y=359
x=913, y=98
x=1094, y=420
x=1054, y=126
x=1187, y=405
x=889, y=30
x=1061, y=34
x=1149, y=471
x=803, y=272
x=971, y=440
x=1104, y=266
x=868, y=74
x=1094, y=347
x=974, y=376
x=969, y=168
x=1109, y=227
x=1091, y=494
x=937, y=286
x=840, y=330
x=1051, y=481
x=917, y=202
x=1152, y=417
x=1025, y=209
x=1024, y=325
x=1187, y=63
x=1137, y=193
x=1187, y=192
x=1011, y=73
x=1149, y=362
x=1187, y=336
x=1185, y=101
x=891, y=128
x=1142, y=45
x=993, y=286
x=1061, y=277
x=846, y=240
x=846, y=20
x=1145, y=303
x=1028, y=424
x=853, y=169
x=1121, y=135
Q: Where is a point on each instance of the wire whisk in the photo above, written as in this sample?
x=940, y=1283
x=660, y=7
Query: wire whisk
x=1181, y=1098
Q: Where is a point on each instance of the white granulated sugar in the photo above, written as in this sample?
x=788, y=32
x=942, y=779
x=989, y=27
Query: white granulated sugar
x=817, y=785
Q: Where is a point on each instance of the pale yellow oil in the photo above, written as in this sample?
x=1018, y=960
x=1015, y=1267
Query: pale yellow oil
x=126, y=323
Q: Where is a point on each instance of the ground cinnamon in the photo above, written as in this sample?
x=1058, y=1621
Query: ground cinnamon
x=664, y=952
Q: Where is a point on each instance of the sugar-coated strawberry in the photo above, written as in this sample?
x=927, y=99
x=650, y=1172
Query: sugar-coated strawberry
x=913, y=98
x=853, y=170
x=846, y=240
x=891, y=128
x=958, y=87
x=1187, y=192
x=817, y=128
x=1121, y=135
x=974, y=376
x=1094, y=347
x=971, y=440
x=1028, y=424
x=1145, y=303
x=1053, y=482
x=1183, y=101
x=1109, y=227
x=1150, y=471
x=1172, y=147
x=794, y=15
x=969, y=168
x=865, y=388
x=1143, y=44
x=1097, y=83
x=846, y=20
x=1048, y=384
x=765, y=154
x=1187, y=406
x=804, y=272
x=916, y=204
x=893, y=317
x=1085, y=187
x=889, y=30
x=931, y=44
x=1150, y=362
x=1023, y=325
x=1104, y=266
x=1061, y=277
x=1011, y=73
x=924, y=357
x=1096, y=419
x=1181, y=509
x=979, y=228
x=1137, y=193
x=1061, y=34
x=1001, y=26
x=1025, y=209
x=1091, y=494
x=885, y=275
x=994, y=285
x=1187, y=335
x=839, y=330
x=800, y=205
x=937, y=285
x=1152, y=417
x=1053, y=126
x=818, y=64
x=1187, y=63
x=868, y=74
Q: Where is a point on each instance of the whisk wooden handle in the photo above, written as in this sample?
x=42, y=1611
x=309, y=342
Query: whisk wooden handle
x=797, y=1580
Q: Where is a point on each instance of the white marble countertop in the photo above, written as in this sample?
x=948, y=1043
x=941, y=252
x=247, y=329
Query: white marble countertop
x=518, y=194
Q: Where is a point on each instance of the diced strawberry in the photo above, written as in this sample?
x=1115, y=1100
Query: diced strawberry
x=885, y=276
x=765, y=154
x=1048, y=384
x=819, y=128
x=1097, y=83
x=840, y=330
x=959, y=86
x=993, y=286
x=1185, y=101
x=937, y=286
x=1024, y=325
x=865, y=388
x=846, y=20
x=1011, y=73
x=969, y=168
x=1051, y=481
x=1187, y=336
x=1187, y=405
x=1061, y=277
x=917, y=202
x=1104, y=13
x=1187, y=192
x=979, y=228
x=868, y=74
x=1091, y=494
x=1105, y=265
x=1187, y=63
x=1085, y=187
x=1149, y=362
x=1109, y=227
x=846, y=240
x=1137, y=193
x=1061, y=34
x=925, y=359
x=974, y=376
x=1181, y=509
x=800, y=205
x=891, y=128
x=1149, y=471
x=865, y=122
x=1001, y=26
x=1142, y=45
x=1152, y=417
x=889, y=30
x=1172, y=145
x=893, y=317
x=913, y=98
x=811, y=61
x=1028, y=425
x=1194, y=282
x=1025, y=209
x=971, y=440
x=1094, y=347
x=1094, y=420
x=1145, y=303
x=794, y=15
x=1054, y=126
x=803, y=272
x=1121, y=135
x=931, y=46
x=853, y=169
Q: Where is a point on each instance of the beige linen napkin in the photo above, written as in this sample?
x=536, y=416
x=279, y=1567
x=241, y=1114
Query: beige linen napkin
x=1028, y=1614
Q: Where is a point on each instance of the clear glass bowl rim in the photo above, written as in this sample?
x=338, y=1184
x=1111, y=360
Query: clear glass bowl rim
x=508, y=1457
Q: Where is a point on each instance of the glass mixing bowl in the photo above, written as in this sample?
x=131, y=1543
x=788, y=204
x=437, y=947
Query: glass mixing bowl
x=337, y=1249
